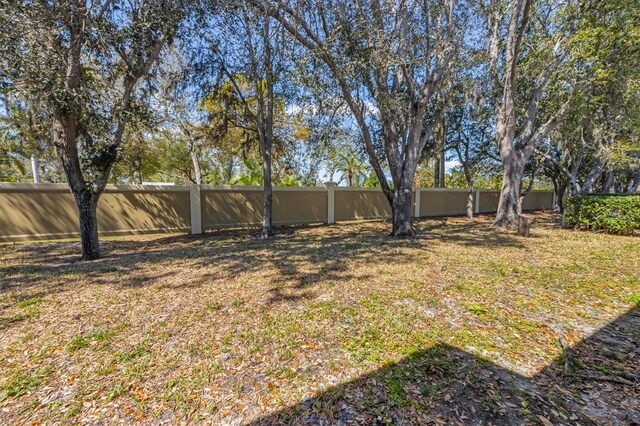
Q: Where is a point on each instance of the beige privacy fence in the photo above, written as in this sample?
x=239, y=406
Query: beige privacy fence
x=47, y=211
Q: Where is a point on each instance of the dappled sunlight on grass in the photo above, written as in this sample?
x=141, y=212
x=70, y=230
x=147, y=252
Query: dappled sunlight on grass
x=227, y=326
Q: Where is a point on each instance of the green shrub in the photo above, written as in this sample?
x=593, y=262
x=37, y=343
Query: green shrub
x=614, y=213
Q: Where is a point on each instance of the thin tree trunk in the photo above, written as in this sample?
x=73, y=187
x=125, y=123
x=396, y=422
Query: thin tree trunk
x=441, y=172
x=608, y=181
x=470, y=202
x=137, y=159
x=196, y=166
x=267, y=208
x=229, y=171
x=137, y=176
x=266, y=112
x=526, y=191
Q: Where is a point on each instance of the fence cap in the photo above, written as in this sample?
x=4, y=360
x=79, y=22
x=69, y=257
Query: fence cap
x=331, y=183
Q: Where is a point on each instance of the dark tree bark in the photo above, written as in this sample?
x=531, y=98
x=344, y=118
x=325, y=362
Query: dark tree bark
x=87, y=204
x=402, y=225
x=72, y=89
x=66, y=129
x=560, y=188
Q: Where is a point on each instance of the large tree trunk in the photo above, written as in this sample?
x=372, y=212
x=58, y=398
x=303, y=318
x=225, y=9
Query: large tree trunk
x=507, y=214
x=87, y=203
x=401, y=208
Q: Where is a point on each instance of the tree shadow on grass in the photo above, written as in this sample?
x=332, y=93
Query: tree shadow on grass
x=301, y=259
x=444, y=385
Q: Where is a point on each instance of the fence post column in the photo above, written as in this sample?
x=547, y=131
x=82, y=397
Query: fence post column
x=195, y=204
x=417, y=210
x=476, y=202
x=331, y=202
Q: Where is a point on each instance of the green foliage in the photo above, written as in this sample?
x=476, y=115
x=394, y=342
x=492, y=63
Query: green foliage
x=31, y=301
x=21, y=382
x=371, y=181
x=78, y=342
x=477, y=308
x=288, y=180
x=133, y=354
x=617, y=214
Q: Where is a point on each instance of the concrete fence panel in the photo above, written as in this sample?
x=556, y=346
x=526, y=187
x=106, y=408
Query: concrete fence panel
x=442, y=202
x=30, y=211
x=488, y=201
x=47, y=211
x=536, y=200
x=144, y=209
x=228, y=206
x=361, y=203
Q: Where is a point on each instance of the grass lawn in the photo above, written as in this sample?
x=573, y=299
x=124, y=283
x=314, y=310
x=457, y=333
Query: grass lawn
x=324, y=325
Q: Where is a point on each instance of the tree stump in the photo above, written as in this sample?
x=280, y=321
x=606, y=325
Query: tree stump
x=524, y=225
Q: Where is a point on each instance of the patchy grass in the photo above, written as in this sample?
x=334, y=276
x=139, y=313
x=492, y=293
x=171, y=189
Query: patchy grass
x=227, y=327
x=18, y=383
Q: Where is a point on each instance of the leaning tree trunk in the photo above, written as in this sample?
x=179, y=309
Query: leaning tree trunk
x=401, y=208
x=196, y=163
x=87, y=203
x=507, y=214
x=592, y=176
x=633, y=184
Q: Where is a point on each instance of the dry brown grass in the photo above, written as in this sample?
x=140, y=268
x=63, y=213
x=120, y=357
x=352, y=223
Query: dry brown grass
x=226, y=328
